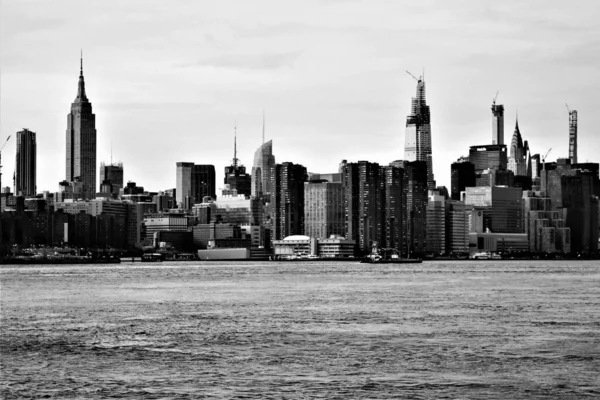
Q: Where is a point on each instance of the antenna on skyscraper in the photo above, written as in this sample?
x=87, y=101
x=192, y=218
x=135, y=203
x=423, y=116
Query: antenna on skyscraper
x=81, y=61
x=235, y=159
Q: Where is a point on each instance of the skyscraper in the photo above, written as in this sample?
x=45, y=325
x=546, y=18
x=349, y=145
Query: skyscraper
x=324, y=209
x=418, y=133
x=235, y=174
x=193, y=183
x=462, y=175
x=264, y=161
x=497, y=123
x=81, y=141
x=25, y=165
x=573, y=136
x=517, y=161
x=112, y=173
x=288, y=199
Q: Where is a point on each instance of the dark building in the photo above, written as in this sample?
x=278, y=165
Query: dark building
x=25, y=165
x=236, y=176
x=462, y=176
x=393, y=198
x=194, y=182
x=415, y=208
x=81, y=141
x=488, y=157
x=288, y=199
x=574, y=190
x=112, y=174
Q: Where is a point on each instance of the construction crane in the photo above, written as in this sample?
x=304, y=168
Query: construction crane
x=416, y=79
x=495, y=97
x=7, y=139
x=568, y=109
x=544, y=158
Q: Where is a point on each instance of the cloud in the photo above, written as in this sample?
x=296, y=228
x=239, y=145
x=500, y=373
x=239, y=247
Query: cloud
x=265, y=61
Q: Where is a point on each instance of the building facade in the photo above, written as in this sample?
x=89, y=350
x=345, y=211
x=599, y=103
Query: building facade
x=323, y=209
x=417, y=145
x=26, y=164
x=81, y=141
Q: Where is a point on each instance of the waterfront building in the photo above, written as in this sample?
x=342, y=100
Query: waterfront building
x=303, y=246
x=500, y=206
x=574, y=189
x=458, y=216
x=436, y=224
x=81, y=141
x=417, y=145
x=414, y=201
x=324, y=209
x=394, y=206
x=288, y=199
x=194, y=182
x=25, y=165
x=462, y=175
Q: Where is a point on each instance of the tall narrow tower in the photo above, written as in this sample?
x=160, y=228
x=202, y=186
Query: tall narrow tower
x=81, y=141
x=25, y=165
x=497, y=122
x=573, y=136
x=417, y=146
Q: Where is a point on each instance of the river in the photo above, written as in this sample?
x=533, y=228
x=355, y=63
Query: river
x=269, y=330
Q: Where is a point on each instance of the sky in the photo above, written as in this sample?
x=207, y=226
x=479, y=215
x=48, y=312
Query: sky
x=169, y=80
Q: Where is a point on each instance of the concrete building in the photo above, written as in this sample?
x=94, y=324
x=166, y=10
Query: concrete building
x=417, y=145
x=303, y=246
x=81, y=142
x=26, y=164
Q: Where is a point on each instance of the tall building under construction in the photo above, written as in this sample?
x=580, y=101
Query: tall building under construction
x=573, y=136
x=417, y=145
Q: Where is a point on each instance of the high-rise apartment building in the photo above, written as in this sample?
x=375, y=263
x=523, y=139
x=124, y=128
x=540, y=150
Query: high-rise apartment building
x=436, y=223
x=81, y=141
x=194, y=182
x=417, y=145
x=415, y=208
x=25, y=165
x=497, y=123
x=324, y=209
x=288, y=200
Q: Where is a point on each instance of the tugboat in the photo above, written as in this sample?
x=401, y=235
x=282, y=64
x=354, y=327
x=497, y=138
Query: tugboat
x=387, y=256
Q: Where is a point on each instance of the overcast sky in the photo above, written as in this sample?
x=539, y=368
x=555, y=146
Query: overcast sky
x=169, y=79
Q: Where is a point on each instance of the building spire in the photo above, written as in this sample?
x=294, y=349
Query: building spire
x=81, y=97
x=235, y=159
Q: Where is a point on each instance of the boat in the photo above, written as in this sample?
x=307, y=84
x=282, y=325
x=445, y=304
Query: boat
x=387, y=256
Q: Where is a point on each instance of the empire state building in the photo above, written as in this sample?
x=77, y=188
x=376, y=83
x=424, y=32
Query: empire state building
x=417, y=146
x=81, y=141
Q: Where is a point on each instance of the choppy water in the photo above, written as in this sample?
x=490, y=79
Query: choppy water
x=302, y=330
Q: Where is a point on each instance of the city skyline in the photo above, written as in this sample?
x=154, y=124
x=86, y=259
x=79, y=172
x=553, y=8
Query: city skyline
x=337, y=81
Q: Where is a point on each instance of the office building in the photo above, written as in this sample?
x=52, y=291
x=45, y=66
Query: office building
x=418, y=133
x=462, y=176
x=112, y=174
x=25, y=165
x=264, y=161
x=458, y=215
x=81, y=141
x=194, y=182
x=488, y=157
x=500, y=205
x=235, y=174
x=415, y=208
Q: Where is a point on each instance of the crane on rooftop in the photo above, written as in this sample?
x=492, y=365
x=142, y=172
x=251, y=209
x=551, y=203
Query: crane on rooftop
x=416, y=79
x=7, y=139
x=495, y=97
